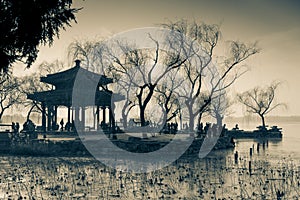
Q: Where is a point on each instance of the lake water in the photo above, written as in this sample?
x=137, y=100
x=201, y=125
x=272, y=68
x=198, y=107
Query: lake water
x=274, y=174
x=289, y=146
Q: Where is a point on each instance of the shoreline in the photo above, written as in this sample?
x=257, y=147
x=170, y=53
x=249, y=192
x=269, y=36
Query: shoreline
x=75, y=147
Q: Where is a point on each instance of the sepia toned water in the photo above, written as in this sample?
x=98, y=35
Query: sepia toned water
x=289, y=146
x=274, y=174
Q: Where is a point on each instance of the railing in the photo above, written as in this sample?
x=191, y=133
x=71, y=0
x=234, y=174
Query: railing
x=5, y=127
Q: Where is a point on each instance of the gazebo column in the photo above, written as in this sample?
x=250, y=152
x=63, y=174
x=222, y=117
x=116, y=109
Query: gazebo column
x=104, y=114
x=69, y=114
x=72, y=114
x=76, y=116
x=44, y=117
x=112, y=122
x=49, y=126
x=97, y=118
x=55, y=115
x=83, y=117
x=109, y=117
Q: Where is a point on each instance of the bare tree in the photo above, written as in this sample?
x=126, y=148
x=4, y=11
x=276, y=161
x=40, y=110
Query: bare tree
x=93, y=55
x=10, y=94
x=125, y=87
x=167, y=98
x=199, y=66
x=149, y=68
x=219, y=108
x=46, y=68
x=191, y=48
x=31, y=84
x=260, y=100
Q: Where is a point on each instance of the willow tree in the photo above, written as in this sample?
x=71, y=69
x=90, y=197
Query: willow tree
x=204, y=81
x=10, y=93
x=32, y=83
x=219, y=108
x=166, y=97
x=95, y=57
x=149, y=67
x=189, y=48
x=260, y=101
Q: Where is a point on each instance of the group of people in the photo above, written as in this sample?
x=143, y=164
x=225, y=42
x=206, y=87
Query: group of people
x=210, y=129
x=170, y=128
x=15, y=127
x=27, y=126
x=30, y=126
x=68, y=127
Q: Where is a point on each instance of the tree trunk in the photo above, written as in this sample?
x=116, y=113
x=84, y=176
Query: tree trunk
x=219, y=120
x=29, y=112
x=191, y=116
x=263, y=121
x=142, y=116
x=192, y=123
x=1, y=114
x=3, y=110
x=191, y=120
x=199, y=118
x=124, y=117
x=164, y=118
x=143, y=104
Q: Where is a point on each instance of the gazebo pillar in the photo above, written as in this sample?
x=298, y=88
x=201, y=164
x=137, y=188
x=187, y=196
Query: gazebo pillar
x=49, y=125
x=76, y=115
x=43, y=117
x=72, y=115
x=55, y=115
x=97, y=118
x=69, y=114
x=83, y=117
x=112, y=122
x=104, y=114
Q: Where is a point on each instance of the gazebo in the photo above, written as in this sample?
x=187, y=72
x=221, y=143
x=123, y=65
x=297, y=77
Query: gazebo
x=62, y=94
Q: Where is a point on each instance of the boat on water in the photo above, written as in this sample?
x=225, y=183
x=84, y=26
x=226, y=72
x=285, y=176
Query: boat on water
x=260, y=132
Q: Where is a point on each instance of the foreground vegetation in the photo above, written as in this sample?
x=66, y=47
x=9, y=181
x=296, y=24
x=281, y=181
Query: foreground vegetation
x=216, y=177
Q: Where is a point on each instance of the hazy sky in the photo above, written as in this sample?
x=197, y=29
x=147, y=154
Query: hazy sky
x=274, y=24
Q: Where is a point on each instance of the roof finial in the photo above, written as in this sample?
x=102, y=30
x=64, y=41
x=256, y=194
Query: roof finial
x=77, y=63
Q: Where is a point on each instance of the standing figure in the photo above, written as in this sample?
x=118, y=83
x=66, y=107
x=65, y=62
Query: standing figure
x=13, y=127
x=62, y=124
x=17, y=127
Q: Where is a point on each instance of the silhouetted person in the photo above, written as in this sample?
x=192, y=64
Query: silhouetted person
x=236, y=127
x=206, y=128
x=13, y=127
x=214, y=129
x=131, y=122
x=73, y=126
x=68, y=126
x=62, y=124
x=223, y=130
x=17, y=127
x=28, y=126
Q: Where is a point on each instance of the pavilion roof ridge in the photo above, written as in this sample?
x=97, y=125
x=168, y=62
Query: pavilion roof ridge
x=71, y=73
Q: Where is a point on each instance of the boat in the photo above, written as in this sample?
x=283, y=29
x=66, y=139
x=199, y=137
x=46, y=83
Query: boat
x=260, y=132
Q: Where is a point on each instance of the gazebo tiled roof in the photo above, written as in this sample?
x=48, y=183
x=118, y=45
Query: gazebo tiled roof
x=63, y=83
x=68, y=76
